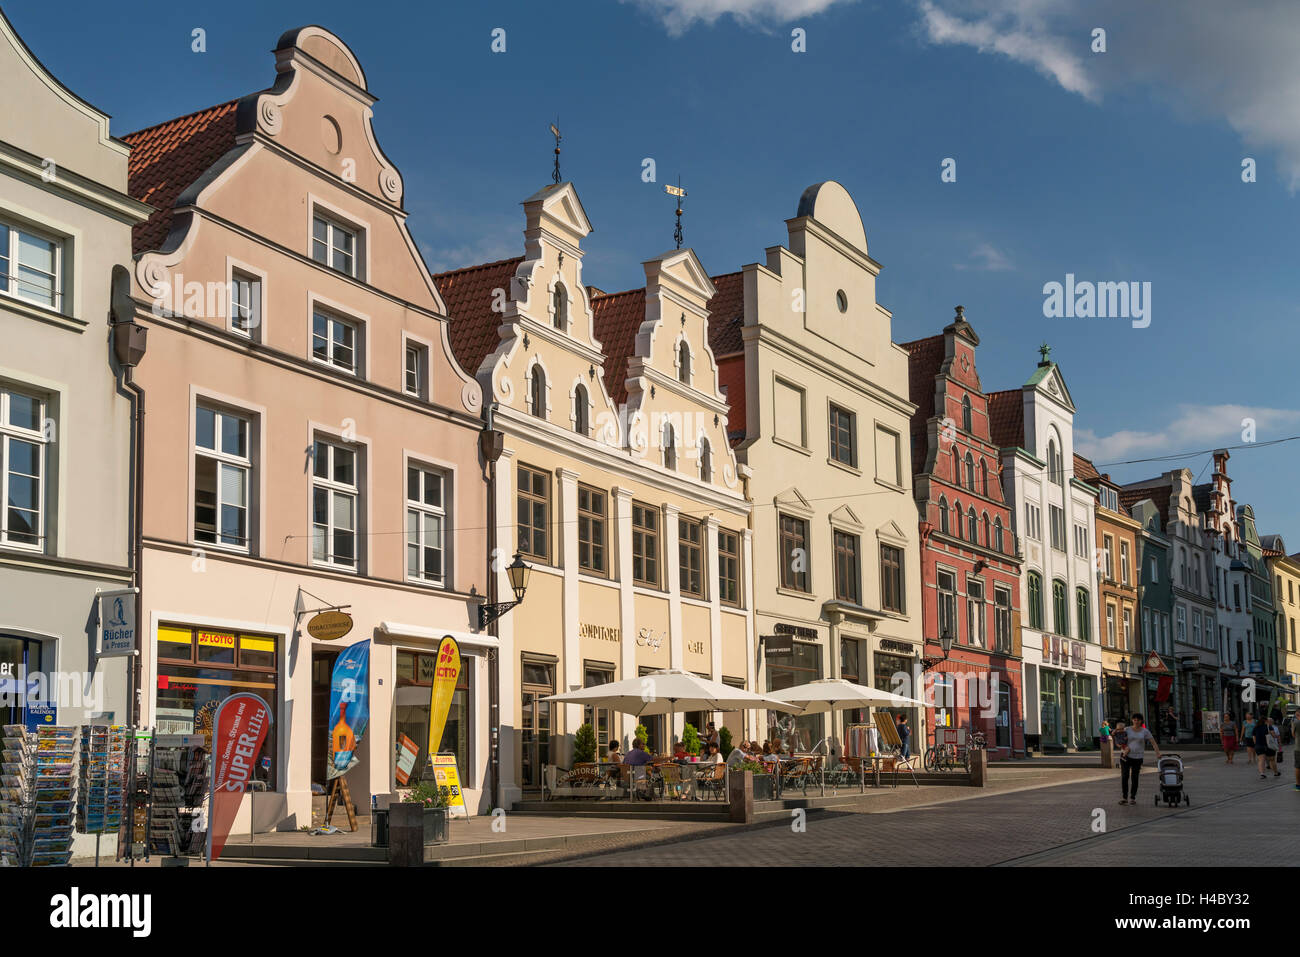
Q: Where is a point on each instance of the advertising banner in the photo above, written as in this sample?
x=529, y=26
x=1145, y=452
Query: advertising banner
x=446, y=776
x=239, y=730
x=349, y=707
x=407, y=754
x=445, y=676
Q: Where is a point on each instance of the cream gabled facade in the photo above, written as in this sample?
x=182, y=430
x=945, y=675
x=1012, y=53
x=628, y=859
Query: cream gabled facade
x=65, y=416
x=615, y=483
x=805, y=350
x=311, y=442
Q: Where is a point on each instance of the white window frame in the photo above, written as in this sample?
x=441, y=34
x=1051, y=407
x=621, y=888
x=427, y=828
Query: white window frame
x=333, y=316
x=424, y=381
x=224, y=460
x=1123, y=563
x=237, y=272
x=334, y=488
x=1110, y=624
x=9, y=278
x=9, y=433
x=333, y=225
x=1127, y=616
x=419, y=509
x=977, y=611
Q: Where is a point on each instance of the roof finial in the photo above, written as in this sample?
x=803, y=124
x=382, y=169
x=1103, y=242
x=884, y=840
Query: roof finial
x=555, y=131
x=1045, y=351
x=679, y=193
x=961, y=317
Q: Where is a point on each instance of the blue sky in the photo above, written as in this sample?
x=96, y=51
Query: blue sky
x=1115, y=166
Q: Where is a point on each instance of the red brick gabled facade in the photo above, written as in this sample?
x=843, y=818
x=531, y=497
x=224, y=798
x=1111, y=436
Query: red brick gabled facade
x=969, y=569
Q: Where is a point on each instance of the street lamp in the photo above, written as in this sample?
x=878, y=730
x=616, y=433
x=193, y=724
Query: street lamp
x=518, y=572
x=945, y=642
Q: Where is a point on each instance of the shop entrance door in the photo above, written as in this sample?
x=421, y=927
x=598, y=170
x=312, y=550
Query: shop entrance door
x=18, y=657
x=322, y=671
x=536, y=722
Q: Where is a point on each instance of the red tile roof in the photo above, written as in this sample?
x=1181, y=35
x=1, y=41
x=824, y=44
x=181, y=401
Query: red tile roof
x=472, y=325
x=166, y=159
x=1007, y=418
x=617, y=317
x=731, y=377
x=1085, y=471
x=1159, y=494
x=727, y=314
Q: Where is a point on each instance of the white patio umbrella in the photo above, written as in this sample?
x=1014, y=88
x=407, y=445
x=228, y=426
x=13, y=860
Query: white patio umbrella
x=832, y=694
x=670, y=691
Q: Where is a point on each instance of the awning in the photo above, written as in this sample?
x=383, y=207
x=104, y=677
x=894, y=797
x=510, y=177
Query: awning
x=398, y=629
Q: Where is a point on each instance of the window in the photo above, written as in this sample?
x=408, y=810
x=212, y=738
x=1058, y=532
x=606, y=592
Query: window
x=947, y=582
x=891, y=578
x=1055, y=463
x=1110, y=624
x=985, y=522
x=943, y=514
x=1155, y=571
x=334, y=245
x=537, y=392
x=848, y=574
x=1060, y=610
x=1056, y=516
x=1109, y=498
x=1081, y=540
x=1108, y=558
x=794, y=553
x=1127, y=636
x=1196, y=627
x=534, y=513
x=245, y=303
x=645, y=545
x=426, y=528
x=1083, y=612
x=965, y=414
x=959, y=518
x=889, y=468
x=997, y=534
x=684, y=362
x=970, y=472
x=581, y=425
x=972, y=526
x=728, y=567
x=1123, y=563
x=1002, y=618
x=1180, y=625
x=22, y=467
x=1035, y=589
x=843, y=448
x=411, y=700
x=560, y=306
x=976, y=614
x=222, y=466
x=601, y=719
x=788, y=410
x=1033, y=522
x=591, y=530
x=335, y=494
x=30, y=266
x=706, y=461
x=690, y=556
x=670, y=447
x=984, y=478
x=335, y=341
x=415, y=371
x=1196, y=574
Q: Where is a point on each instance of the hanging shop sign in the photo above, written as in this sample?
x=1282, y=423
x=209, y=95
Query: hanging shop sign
x=239, y=730
x=445, y=677
x=329, y=625
x=778, y=646
x=349, y=707
x=116, y=629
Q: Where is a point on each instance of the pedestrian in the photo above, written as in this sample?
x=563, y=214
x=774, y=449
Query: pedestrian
x=905, y=736
x=1274, y=745
x=1135, y=743
x=1248, y=736
x=1171, y=724
x=1104, y=730
x=1262, y=755
x=1295, y=740
x=1228, y=735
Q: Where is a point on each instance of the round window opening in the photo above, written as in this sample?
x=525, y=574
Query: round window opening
x=842, y=301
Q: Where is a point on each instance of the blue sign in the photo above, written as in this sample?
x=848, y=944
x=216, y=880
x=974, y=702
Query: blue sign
x=1257, y=667
x=349, y=706
x=36, y=714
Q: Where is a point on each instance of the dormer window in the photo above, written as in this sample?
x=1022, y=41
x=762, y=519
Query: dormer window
x=560, y=306
x=684, y=363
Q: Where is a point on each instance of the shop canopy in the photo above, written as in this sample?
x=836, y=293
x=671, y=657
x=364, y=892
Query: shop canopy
x=670, y=691
x=832, y=694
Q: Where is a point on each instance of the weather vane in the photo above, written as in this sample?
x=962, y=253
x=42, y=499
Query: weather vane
x=679, y=193
x=555, y=131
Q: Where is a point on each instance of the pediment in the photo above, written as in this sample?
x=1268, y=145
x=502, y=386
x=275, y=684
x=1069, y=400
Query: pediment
x=845, y=516
x=891, y=531
x=561, y=205
x=683, y=267
x=793, y=500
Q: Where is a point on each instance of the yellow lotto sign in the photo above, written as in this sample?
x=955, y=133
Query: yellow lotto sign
x=445, y=676
x=445, y=775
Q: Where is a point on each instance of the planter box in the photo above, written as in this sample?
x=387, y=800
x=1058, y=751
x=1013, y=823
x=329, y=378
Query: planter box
x=435, y=825
x=764, y=787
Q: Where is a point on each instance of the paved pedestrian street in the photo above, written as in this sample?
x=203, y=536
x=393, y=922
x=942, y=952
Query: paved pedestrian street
x=1234, y=817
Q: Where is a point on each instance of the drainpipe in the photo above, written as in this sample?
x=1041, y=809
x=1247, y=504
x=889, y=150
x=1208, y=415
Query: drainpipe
x=129, y=341
x=491, y=443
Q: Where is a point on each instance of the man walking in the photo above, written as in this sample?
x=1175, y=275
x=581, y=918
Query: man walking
x=1130, y=767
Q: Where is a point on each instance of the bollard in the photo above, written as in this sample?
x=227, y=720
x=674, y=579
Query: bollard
x=740, y=796
x=979, y=768
x=1107, y=753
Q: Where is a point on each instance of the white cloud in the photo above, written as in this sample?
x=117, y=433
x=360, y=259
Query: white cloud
x=678, y=16
x=987, y=258
x=1193, y=429
x=1232, y=61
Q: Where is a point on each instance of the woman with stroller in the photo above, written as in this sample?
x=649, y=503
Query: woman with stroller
x=1135, y=742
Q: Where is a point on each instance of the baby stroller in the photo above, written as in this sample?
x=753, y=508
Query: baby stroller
x=1169, y=771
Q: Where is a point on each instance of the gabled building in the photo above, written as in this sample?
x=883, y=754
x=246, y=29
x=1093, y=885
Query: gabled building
x=820, y=413
x=1053, y=516
x=1285, y=572
x=970, y=572
x=1155, y=600
x=615, y=483
x=311, y=442
x=1262, y=618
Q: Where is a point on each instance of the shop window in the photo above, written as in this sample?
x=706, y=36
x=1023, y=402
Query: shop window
x=415, y=671
x=200, y=667
x=600, y=719
x=803, y=665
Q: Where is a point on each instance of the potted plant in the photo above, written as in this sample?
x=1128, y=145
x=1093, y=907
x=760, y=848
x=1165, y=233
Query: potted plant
x=691, y=740
x=584, y=745
x=764, y=781
x=436, y=802
x=724, y=740
x=643, y=734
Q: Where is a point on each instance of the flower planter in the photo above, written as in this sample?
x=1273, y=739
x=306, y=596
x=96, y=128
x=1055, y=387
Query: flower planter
x=764, y=787
x=435, y=825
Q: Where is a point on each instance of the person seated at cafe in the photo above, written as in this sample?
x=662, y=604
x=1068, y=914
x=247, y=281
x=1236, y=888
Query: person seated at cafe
x=614, y=756
x=767, y=748
x=680, y=753
x=714, y=756
x=739, y=754
x=638, y=755
x=712, y=736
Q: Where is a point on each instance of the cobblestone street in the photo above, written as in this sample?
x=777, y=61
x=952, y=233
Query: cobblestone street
x=1234, y=818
